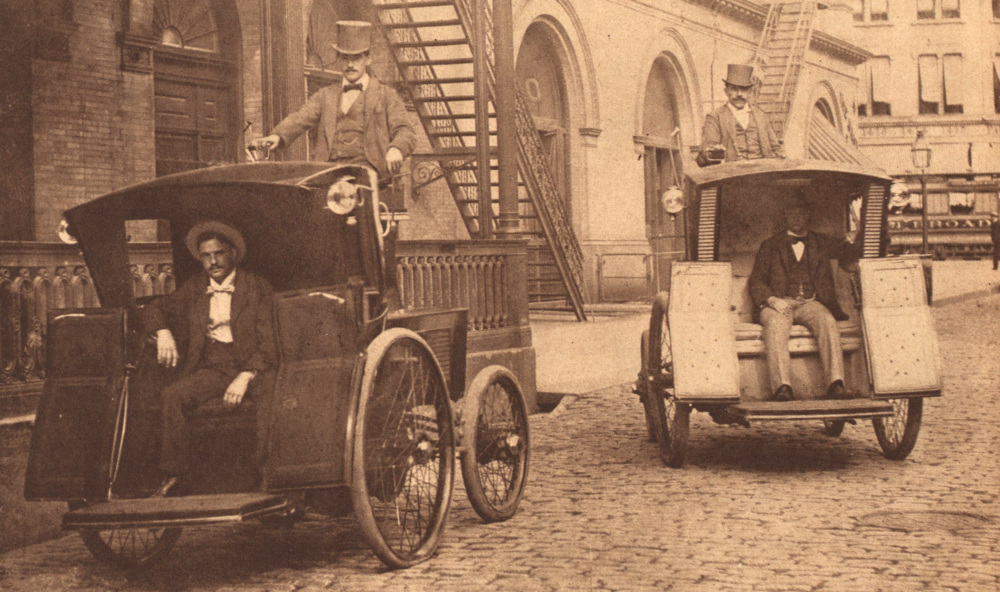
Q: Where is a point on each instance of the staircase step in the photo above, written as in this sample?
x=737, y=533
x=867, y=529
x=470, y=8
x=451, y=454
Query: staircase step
x=438, y=62
x=433, y=43
x=414, y=4
x=455, y=116
x=419, y=24
x=458, y=134
x=453, y=80
x=444, y=99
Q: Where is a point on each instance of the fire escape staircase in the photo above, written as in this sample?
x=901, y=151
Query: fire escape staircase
x=780, y=54
x=431, y=44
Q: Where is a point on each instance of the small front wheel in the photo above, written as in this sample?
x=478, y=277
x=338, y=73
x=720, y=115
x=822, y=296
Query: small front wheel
x=495, y=448
x=672, y=428
x=130, y=548
x=403, y=459
x=897, y=434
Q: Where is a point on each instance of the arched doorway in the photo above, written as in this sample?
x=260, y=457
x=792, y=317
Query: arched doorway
x=196, y=84
x=663, y=166
x=541, y=76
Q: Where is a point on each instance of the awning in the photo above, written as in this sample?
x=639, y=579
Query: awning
x=826, y=143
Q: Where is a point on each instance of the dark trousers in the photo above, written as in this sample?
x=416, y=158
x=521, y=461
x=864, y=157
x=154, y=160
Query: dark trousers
x=996, y=255
x=216, y=370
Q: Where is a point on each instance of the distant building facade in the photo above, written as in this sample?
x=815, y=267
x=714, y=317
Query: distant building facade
x=935, y=67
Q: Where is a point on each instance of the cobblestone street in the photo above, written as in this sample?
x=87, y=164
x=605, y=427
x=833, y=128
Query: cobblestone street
x=776, y=507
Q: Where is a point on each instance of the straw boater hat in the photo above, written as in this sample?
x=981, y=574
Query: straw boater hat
x=225, y=230
x=353, y=37
x=739, y=75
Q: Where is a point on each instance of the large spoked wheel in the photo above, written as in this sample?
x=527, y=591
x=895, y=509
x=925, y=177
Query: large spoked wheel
x=403, y=466
x=672, y=425
x=130, y=548
x=642, y=387
x=495, y=449
x=671, y=419
x=897, y=434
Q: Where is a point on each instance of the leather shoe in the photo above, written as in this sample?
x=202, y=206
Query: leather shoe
x=837, y=391
x=171, y=486
x=784, y=393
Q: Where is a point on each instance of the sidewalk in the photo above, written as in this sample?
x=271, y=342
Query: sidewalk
x=575, y=358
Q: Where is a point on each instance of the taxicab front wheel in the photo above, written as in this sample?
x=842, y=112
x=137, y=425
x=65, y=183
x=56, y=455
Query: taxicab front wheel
x=403, y=458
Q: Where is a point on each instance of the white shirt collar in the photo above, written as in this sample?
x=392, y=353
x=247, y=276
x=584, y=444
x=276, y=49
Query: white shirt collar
x=363, y=80
x=226, y=282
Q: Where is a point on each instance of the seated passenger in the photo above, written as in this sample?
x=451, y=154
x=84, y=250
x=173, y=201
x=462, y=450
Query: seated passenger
x=230, y=339
x=792, y=282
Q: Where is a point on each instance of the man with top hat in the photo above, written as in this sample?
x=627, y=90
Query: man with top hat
x=359, y=120
x=738, y=130
x=792, y=283
x=223, y=318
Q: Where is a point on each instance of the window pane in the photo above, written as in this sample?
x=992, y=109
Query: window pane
x=996, y=83
x=949, y=8
x=925, y=8
x=879, y=7
x=930, y=79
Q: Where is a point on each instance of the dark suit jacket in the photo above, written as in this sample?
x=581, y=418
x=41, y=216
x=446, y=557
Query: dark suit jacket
x=185, y=313
x=386, y=123
x=771, y=268
x=720, y=128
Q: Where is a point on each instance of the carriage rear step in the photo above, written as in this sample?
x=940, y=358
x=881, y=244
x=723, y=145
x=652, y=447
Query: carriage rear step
x=814, y=409
x=175, y=511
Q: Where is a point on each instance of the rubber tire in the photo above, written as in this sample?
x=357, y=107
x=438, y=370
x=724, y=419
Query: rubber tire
x=642, y=387
x=833, y=428
x=101, y=544
x=907, y=414
x=375, y=514
x=672, y=429
x=495, y=499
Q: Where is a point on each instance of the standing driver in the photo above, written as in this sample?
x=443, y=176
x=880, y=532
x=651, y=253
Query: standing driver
x=738, y=130
x=225, y=315
x=792, y=283
x=360, y=120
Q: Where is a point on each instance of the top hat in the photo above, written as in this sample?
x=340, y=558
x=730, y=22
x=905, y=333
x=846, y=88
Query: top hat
x=739, y=75
x=225, y=230
x=353, y=37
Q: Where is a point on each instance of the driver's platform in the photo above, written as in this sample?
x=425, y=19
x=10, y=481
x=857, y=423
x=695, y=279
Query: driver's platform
x=175, y=511
x=812, y=409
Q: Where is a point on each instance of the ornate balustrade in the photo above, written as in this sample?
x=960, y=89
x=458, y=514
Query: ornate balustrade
x=487, y=277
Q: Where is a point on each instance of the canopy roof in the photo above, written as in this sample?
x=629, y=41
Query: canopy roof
x=781, y=168
x=292, y=238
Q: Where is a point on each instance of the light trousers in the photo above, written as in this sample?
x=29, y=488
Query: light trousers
x=777, y=327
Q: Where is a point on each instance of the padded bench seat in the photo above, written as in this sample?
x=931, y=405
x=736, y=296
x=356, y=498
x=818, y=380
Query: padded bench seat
x=216, y=414
x=749, y=341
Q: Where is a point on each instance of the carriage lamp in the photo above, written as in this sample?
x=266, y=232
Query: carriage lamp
x=899, y=194
x=920, y=152
x=65, y=235
x=343, y=197
x=672, y=200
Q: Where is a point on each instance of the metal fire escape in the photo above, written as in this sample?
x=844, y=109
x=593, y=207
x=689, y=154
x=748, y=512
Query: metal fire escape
x=780, y=54
x=455, y=95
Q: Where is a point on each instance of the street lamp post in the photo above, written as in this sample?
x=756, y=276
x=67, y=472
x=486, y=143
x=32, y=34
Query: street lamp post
x=920, y=152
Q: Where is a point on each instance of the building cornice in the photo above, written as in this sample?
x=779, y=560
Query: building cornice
x=755, y=14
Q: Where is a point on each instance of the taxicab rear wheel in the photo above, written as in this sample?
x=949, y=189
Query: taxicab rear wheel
x=495, y=449
x=897, y=433
x=130, y=548
x=403, y=458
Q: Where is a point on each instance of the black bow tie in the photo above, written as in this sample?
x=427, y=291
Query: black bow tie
x=353, y=86
x=796, y=239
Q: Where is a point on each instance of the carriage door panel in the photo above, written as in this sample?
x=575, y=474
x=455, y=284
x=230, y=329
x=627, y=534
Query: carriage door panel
x=309, y=408
x=901, y=342
x=71, y=446
x=703, y=342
